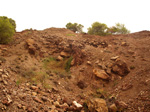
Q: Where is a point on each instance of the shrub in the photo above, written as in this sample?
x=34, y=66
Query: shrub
x=98, y=29
x=7, y=29
x=118, y=29
x=75, y=27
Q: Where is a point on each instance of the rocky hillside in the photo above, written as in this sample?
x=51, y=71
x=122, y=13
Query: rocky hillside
x=57, y=70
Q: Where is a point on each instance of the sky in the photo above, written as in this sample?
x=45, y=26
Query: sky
x=42, y=14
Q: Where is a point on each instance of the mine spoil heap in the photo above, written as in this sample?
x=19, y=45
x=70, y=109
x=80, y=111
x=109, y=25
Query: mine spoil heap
x=57, y=70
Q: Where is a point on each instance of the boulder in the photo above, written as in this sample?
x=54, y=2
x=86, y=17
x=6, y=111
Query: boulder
x=120, y=67
x=101, y=74
x=97, y=105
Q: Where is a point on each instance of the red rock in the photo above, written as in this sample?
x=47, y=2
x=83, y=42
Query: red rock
x=100, y=74
x=37, y=100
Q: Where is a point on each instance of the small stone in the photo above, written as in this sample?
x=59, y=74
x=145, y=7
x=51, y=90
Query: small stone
x=24, y=107
x=97, y=62
x=108, y=71
x=34, y=93
x=34, y=87
x=52, y=107
x=2, y=107
x=120, y=67
x=131, y=52
x=77, y=104
x=1, y=70
x=54, y=89
x=113, y=108
x=97, y=105
x=67, y=100
x=81, y=84
x=114, y=58
x=64, y=54
x=1, y=79
x=27, y=84
x=56, y=103
x=124, y=44
x=82, y=69
x=59, y=58
x=1, y=62
x=89, y=63
x=37, y=100
x=72, y=62
x=14, y=93
x=121, y=104
x=32, y=50
x=102, y=66
x=5, y=102
x=44, y=98
x=30, y=42
x=5, y=82
x=19, y=106
x=101, y=74
x=64, y=106
x=29, y=109
x=7, y=73
x=126, y=86
x=9, y=99
x=4, y=76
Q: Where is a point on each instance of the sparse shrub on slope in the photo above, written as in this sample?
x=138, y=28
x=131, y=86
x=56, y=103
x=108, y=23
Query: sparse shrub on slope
x=7, y=29
x=102, y=29
x=118, y=29
x=75, y=27
x=98, y=29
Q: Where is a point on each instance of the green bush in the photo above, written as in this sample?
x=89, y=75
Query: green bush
x=75, y=27
x=7, y=29
x=98, y=29
x=118, y=29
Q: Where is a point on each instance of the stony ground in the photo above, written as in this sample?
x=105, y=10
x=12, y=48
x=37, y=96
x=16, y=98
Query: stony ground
x=56, y=70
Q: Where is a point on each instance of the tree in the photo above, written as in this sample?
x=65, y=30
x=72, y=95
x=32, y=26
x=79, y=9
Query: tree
x=11, y=21
x=118, y=29
x=7, y=29
x=98, y=29
x=75, y=27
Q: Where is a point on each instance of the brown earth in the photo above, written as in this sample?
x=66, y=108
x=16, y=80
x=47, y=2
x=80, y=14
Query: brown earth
x=57, y=70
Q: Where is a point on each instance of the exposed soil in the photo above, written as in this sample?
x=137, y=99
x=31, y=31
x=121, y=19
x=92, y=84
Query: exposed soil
x=57, y=70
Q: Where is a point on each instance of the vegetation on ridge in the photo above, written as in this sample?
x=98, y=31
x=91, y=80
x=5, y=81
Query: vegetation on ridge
x=7, y=29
